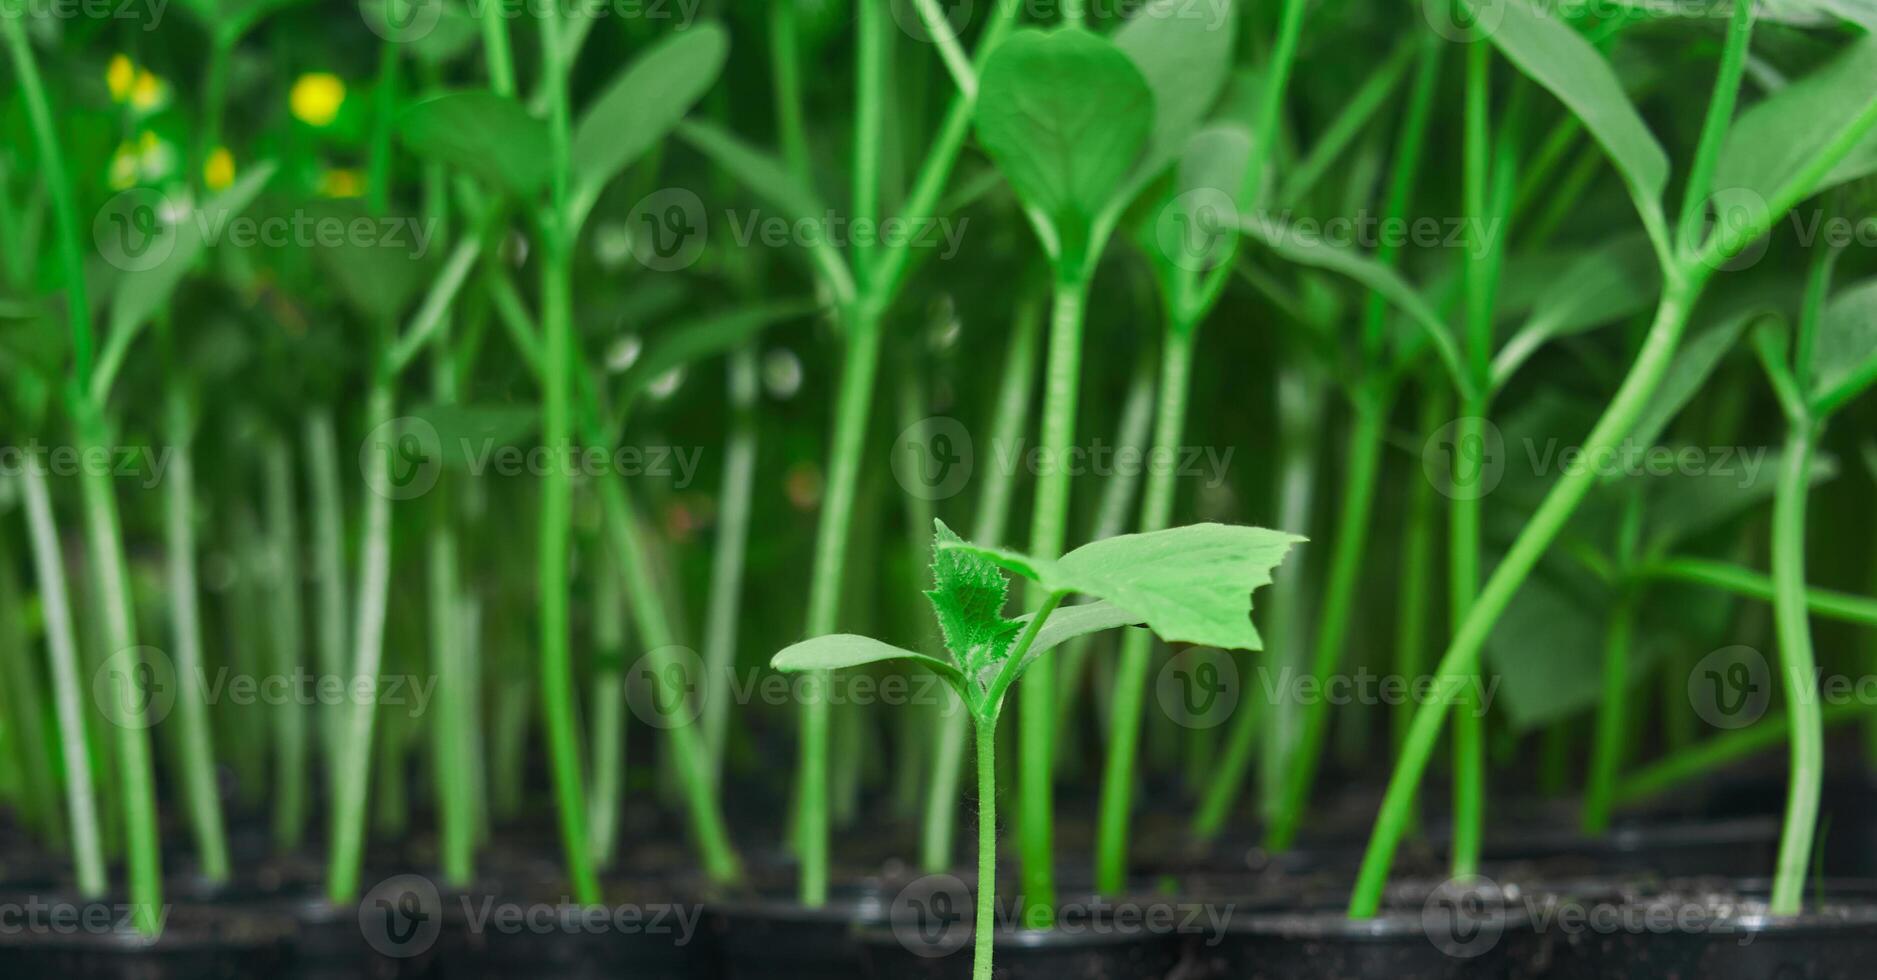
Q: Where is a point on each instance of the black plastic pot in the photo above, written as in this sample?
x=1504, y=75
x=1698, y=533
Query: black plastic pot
x=369, y=941
x=1733, y=848
x=1103, y=952
x=49, y=937
x=1711, y=936
x=642, y=931
x=769, y=937
x=1454, y=933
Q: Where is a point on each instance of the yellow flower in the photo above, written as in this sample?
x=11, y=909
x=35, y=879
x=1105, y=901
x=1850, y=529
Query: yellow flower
x=316, y=98
x=219, y=171
x=341, y=183
x=147, y=92
x=119, y=76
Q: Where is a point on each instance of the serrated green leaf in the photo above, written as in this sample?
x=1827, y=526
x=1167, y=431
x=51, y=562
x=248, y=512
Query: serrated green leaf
x=1184, y=50
x=968, y=595
x=1844, y=354
x=644, y=102
x=1555, y=56
x=1189, y=584
x=1775, y=138
x=489, y=136
x=1064, y=114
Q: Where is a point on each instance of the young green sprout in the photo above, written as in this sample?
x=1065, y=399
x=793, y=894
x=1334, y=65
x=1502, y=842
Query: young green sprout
x=1188, y=584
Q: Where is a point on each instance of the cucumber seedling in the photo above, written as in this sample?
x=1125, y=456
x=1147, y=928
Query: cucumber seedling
x=1189, y=584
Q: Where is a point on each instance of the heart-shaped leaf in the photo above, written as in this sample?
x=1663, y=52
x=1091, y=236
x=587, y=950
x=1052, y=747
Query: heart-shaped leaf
x=1185, y=52
x=1064, y=115
x=481, y=133
x=1189, y=584
x=644, y=102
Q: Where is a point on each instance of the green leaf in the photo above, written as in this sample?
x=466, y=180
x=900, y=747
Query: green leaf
x=467, y=434
x=1552, y=54
x=968, y=595
x=644, y=102
x=1544, y=682
x=1064, y=114
x=1606, y=284
x=1684, y=504
x=763, y=174
x=839, y=651
x=1870, y=459
x=483, y=134
x=1844, y=354
x=1770, y=142
x=1317, y=253
x=1189, y=584
x=705, y=336
x=1069, y=622
x=1184, y=50
x=1687, y=374
x=378, y=282
x=140, y=295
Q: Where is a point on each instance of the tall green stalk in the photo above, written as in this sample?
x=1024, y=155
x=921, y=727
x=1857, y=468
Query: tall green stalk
x=1130, y=693
x=1798, y=670
x=81, y=802
x=1417, y=555
x=36, y=794
x=726, y=574
x=986, y=734
x=198, y=755
x=329, y=601
x=1612, y=719
x=285, y=609
x=1036, y=718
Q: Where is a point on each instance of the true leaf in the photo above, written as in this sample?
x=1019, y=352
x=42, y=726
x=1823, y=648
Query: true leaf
x=1552, y=54
x=1770, y=142
x=1064, y=114
x=1189, y=584
x=481, y=133
x=644, y=102
x=968, y=595
x=1844, y=354
x=1185, y=55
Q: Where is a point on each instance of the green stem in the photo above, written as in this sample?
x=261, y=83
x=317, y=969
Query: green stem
x=453, y=729
x=1798, y=669
x=859, y=367
x=1036, y=720
x=786, y=75
x=329, y=577
x=1130, y=693
x=609, y=726
x=1606, y=752
x=1333, y=619
x=726, y=575
x=59, y=188
x=1417, y=555
x=871, y=42
x=37, y=796
x=355, y=742
x=1714, y=127
x=133, y=739
x=1841, y=606
x=983, y=934
x=198, y=749
x=1691, y=763
x=289, y=651
x=1460, y=662
x=68, y=700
